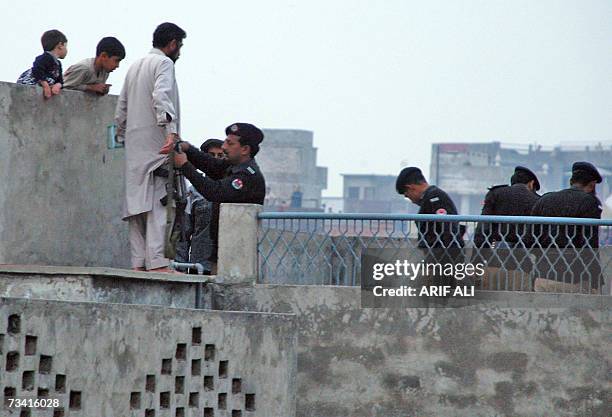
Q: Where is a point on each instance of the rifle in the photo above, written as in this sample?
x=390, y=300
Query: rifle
x=175, y=202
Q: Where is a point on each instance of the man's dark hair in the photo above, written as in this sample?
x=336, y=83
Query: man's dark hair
x=111, y=46
x=409, y=176
x=416, y=179
x=581, y=177
x=254, y=148
x=166, y=33
x=210, y=144
x=520, y=177
x=51, y=38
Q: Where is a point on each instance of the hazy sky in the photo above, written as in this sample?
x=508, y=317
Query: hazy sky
x=377, y=81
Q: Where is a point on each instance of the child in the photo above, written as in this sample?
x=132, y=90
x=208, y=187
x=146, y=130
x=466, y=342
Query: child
x=47, y=70
x=91, y=74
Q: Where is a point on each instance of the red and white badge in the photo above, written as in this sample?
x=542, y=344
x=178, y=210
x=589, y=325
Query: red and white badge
x=237, y=183
x=441, y=211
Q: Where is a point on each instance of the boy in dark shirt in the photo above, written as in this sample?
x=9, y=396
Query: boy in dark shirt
x=47, y=69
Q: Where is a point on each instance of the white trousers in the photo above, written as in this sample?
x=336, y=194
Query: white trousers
x=147, y=234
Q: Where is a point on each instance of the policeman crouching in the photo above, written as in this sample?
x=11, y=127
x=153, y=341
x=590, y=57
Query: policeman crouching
x=241, y=179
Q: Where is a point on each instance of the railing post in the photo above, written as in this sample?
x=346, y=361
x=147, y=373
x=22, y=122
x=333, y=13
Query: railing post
x=237, y=255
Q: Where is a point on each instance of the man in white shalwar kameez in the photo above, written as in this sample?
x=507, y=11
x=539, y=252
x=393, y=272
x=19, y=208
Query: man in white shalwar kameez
x=148, y=121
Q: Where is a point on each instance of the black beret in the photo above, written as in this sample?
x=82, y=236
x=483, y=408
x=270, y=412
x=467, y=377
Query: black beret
x=246, y=131
x=530, y=174
x=587, y=170
x=211, y=143
x=410, y=175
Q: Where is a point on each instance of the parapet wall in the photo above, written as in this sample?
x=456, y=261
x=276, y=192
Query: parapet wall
x=486, y=360
x=62, y=189
x=100, y=360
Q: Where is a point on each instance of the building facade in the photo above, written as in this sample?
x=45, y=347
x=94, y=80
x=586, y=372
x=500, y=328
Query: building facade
x=288, y=161
x=466, y=170
x=367, y=193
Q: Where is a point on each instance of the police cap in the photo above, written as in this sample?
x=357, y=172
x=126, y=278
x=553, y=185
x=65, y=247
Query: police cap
x=211, y=143
x=587, y=171
x=250, y=134
x=529, y=173
x=410, y=175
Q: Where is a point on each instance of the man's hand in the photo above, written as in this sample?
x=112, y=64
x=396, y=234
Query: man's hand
x=99, y=88
x=56, y=88
x=180, y=158
x=184, y=146
x=170, y=139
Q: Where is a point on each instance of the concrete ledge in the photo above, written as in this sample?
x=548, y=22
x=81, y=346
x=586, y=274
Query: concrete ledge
x=102, y=272
x=102, y=285
x=349, y=296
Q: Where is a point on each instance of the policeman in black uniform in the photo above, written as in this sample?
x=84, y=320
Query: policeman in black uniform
x=241, y=179
x=516, y=199
x=577, y=245
x=432, y=200
x=440, y=241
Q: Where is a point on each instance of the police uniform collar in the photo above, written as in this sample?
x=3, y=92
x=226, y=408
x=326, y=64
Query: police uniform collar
x=427, y=191
x=241, y=167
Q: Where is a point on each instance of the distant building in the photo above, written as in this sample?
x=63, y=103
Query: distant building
x=466, y=170
x=373, y=194
x=288, y=161
x=332, y=204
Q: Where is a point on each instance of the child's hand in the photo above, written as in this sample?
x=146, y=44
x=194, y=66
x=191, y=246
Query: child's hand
x=47, y=93
x=56, y=88
x=100, y=88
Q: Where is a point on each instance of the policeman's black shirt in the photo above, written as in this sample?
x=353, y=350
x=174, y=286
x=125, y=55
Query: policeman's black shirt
x=571, y=202
x=504, y=200
x=242, y=183
x=224, y=183
x=438, y=234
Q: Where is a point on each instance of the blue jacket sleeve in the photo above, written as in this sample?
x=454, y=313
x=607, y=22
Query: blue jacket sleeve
x=42, y=67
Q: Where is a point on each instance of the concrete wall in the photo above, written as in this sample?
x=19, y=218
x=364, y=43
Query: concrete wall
x=103, y=360
x=104, y=285
x=491, y=360
x=62, y=189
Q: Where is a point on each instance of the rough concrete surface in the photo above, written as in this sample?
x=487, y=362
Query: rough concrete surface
x=62, y=189
x=100, y=285
x=478, y=361
x=102, y=360
x=238, y=243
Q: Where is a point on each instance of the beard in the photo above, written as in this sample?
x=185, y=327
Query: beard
x=174, y=55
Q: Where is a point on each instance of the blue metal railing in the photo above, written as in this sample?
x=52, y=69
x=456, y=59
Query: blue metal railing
x=435, y=218
x=326, y=248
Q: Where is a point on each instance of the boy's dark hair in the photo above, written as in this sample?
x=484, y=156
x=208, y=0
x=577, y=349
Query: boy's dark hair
x=51, y=38
x=111, y=46
x=166, y=33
